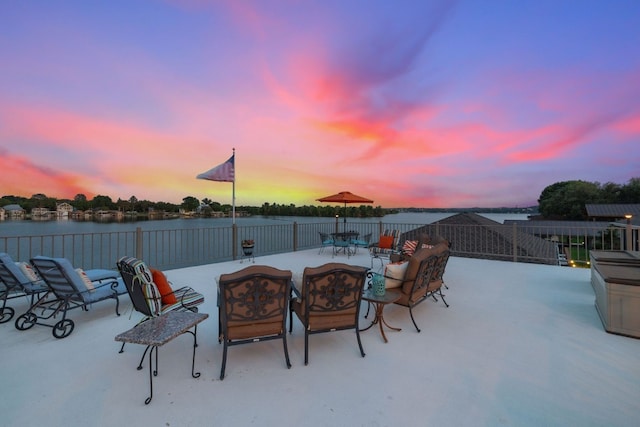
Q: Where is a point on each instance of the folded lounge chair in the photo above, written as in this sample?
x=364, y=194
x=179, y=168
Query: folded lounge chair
x=69, y=288
x=15, y=283
x=151, y=294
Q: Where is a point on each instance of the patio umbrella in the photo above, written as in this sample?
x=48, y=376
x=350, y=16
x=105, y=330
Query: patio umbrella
x=345, y=197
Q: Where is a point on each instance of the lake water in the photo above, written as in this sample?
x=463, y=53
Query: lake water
x=39, y=228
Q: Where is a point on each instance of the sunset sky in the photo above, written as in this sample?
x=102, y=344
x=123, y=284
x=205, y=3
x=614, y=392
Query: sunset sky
x=409, y=103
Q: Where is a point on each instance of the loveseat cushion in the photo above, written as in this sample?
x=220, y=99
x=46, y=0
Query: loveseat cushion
x=408, y=300
x=394, y=273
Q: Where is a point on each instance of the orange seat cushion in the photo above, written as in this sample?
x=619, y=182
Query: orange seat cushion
x=386, y=242
x=168, y=297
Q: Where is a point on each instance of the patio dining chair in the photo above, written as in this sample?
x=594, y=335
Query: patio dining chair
x=15, y=283
x=326, y=240
x=69, y=289
x=327, y=300
x=362, y=243
x=252, y=307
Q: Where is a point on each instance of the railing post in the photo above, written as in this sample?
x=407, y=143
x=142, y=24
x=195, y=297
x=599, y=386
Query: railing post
x=234, y=240
x=139, y=251
x=515, y=243
x=295, y=236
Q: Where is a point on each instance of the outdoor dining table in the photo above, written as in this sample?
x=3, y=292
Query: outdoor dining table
x=342, y=241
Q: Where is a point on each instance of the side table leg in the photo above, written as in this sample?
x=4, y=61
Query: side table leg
x=193, y=359
x=380, y=320
x=152, y=372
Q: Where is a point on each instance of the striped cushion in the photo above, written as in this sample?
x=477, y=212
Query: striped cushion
x=144, y=278
x=409, y=247
x=381, y=251
x=153, y=298
x=188, y=299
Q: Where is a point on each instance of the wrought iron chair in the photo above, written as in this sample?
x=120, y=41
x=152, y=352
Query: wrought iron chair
x=365, y=242
x=71, y=288
x=14, y=283
x=147, y=298
x=422, y=278
x=326, y=241
x=385, y=247
x=328, y=299
x=252, y=307
x=437, y=281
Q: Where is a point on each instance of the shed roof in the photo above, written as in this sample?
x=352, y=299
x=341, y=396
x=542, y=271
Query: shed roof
x=471, y=228
x=612, y=210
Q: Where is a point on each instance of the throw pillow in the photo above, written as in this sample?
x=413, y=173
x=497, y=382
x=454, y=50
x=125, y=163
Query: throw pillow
x=409, y=247
x=394, y=274
x=164, y=287
x=386, y=242
x=30, y=273
x=87, y=282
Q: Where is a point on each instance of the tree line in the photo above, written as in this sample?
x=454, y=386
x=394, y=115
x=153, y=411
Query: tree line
x=206, y=207
x=566, y=200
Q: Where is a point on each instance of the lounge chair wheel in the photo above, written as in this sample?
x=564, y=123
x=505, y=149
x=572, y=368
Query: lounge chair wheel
x=26, y=321
x=63, y=328
x=6, y=314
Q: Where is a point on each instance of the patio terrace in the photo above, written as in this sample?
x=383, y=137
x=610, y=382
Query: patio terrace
x=521, y=345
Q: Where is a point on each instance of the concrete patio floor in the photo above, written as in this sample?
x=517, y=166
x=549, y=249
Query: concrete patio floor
x=520, y=345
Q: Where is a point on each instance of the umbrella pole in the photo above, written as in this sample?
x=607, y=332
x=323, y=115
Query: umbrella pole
x=344, y=227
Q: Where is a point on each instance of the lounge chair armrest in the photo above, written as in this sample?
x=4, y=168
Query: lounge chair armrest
x=105, y=281
x=188, y=297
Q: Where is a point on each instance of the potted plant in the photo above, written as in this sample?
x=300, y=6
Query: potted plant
x=247, y=246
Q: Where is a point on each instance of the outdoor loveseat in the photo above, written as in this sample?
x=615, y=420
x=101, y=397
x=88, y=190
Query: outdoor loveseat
x=420, y=277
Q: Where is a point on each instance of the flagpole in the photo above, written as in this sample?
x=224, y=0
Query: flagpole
x=233, y=191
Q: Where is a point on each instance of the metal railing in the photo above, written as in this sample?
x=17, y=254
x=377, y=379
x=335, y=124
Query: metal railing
x=178, y=248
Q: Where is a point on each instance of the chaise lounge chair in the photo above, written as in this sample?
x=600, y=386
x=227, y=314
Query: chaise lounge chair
x=69, y=288
x=14, y=283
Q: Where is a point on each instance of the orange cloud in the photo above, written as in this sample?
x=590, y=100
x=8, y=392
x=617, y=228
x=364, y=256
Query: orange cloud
x=20, y=173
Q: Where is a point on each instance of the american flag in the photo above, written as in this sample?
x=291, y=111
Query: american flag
x=225, y=172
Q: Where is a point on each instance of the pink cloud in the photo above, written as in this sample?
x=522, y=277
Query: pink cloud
x=38, y=178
